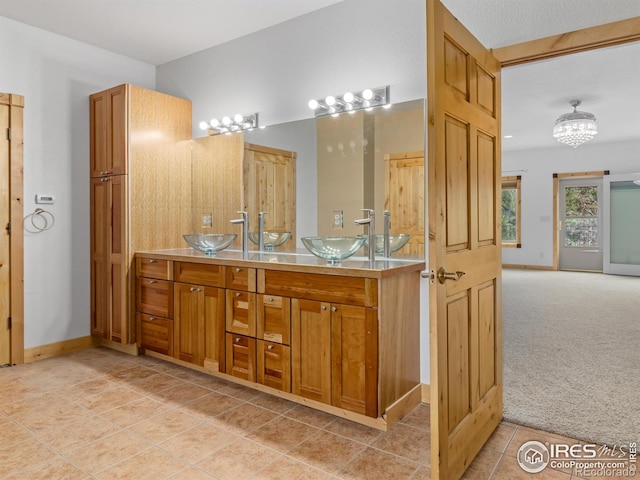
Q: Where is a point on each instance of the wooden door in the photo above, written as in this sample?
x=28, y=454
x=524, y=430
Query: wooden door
x=464, y=190
x=5, y=251
x=188, y=323
x=214, y=310
x=404, y=197
x=354, y=353
x=108, y=132
x=120, y=290
x=269, y=180
x=100, y=272
x=311, y=350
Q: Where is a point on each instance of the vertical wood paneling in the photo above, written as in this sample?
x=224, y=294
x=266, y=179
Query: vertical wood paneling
x=486, y=339
x=457, y=183
x=5, y=251
x=486, y=189
x=458, y=359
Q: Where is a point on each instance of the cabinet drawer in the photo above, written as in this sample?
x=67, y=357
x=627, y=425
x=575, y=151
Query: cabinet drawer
x=199, y=274
x=156, y=333
x=274, y=319
x=154, y=297
x=357, y=291
x=240, y=278
x=241, y=313
x=241, y=357
x=274, y=365
x=153, y=268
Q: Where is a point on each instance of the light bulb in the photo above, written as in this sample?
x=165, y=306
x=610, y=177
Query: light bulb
x=348, y=97
x=367, y=94
x=214, y=122
x=238, y=118
x=226, y=120
x=204, y=125
x=313, y=104
x=330, y=100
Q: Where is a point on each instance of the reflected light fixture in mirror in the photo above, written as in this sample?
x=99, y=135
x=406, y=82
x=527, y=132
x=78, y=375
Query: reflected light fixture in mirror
x=230, y=125
x=575, y=128
x=350, y=102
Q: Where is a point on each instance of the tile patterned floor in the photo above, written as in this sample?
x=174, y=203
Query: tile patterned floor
x=100, y=414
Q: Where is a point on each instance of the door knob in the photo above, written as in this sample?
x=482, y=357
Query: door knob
x=444, y=275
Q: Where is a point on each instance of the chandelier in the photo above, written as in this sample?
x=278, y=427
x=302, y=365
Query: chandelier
x=575, y=128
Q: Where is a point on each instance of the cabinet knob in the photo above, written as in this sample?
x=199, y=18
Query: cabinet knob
x=151, y=282
x=269, y=347
x=238, y=294
x=151, y=260
x=323, y=307
x=238, y=339
x=334, y=309
x=193, y=289
x=238, y=270
x=271, y=299
x=151, y=319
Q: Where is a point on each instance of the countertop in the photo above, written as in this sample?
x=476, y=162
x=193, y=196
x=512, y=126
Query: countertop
x=299, y=261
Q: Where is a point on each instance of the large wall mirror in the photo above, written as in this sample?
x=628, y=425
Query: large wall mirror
x=314, y=176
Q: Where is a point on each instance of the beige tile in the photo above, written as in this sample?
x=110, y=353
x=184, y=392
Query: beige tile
x=291, y=469
x=283, y=434
x=352, y=430
x=53, y=416
x=31, y=404
x=165, y=425
x=273, y=403
x=68, y=437
x=525, y=434
x=155, y=383
x=407, y=442
x=244, y=418
x=192, y=473
x=500, y=438
x=373, y=463
x=182, y=395
x=112, y=398
x=419, y=417
x=424, y=473
x=87, y=388
x=508, y=468
x=19, y=456
x=240, y=460
x=483, y=465
x=327, y=451
x=110, y=450
x=151, y=464
x=132, y=373
x=308, y=415
x=15, y=390
x=198, y=442
x=10, y=433
x=238, y=391
x=55, y=468
x=210, y=405
x=135, y=412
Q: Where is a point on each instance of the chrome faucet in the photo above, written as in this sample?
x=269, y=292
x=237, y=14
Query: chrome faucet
x=370, y=222
x=245, y=231
x=387, y=228
x=261, y=231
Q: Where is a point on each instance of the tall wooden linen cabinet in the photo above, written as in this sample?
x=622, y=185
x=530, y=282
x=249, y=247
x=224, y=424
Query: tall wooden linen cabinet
x=140, y=194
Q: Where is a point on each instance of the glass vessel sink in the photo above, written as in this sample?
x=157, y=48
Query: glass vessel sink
x=209, y=243
x=333, y=249
x=271, y=239
x=396, y=242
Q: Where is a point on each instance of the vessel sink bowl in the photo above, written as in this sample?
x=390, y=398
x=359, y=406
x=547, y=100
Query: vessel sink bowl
x=396, y=242
x=209, y=243
x=271, y=239
x=333, y=249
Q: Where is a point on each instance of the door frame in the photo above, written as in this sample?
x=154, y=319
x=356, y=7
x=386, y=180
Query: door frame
x=16, y=216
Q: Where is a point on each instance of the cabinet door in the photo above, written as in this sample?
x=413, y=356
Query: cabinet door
x=354, y=352
x=156, y=333
x=214, y=310
x=100, y=272
x=241, y=357
x=188, y=323
x=154, y=297
x=108, y=131
x=241, y=313
x=274, y=319
x=311, y=350
x=274, y=365
x=120, y=292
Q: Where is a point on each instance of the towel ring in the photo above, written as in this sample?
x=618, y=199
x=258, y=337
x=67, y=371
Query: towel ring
x=46, y=216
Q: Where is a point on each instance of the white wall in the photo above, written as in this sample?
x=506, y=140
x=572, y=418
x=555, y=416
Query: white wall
x=352, y=45
x=537, y=168
x=56, y=76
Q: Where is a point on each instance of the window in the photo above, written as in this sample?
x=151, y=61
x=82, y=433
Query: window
x=510, y=217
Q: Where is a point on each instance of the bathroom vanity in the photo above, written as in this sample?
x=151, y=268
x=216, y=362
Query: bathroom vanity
x=343, y=339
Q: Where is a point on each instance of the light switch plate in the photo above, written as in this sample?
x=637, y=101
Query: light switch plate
x=45, y=199
x=338, y=219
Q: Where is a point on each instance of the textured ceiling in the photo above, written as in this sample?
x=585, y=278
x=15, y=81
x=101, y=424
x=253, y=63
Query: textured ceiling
x=156, y=31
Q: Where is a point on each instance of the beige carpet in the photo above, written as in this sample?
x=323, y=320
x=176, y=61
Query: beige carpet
x=571, y=354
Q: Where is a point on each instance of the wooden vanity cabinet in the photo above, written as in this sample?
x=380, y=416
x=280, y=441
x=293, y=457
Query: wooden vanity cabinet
x=274, y=365
x=241, y=356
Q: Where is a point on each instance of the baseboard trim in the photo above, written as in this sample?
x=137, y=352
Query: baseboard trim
x=130, y=348
x=528, y=267
x=58, y=348
x=426, y=393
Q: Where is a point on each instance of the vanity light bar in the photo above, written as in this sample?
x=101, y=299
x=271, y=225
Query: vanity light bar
x=237, y=123
x=350, y=102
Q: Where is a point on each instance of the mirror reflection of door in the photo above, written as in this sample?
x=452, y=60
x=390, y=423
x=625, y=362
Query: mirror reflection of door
x=404, y=197
x=621, y=228
x=581, y=225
